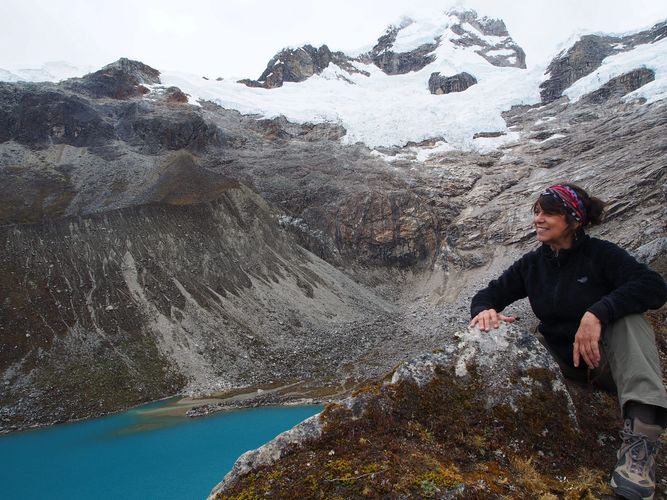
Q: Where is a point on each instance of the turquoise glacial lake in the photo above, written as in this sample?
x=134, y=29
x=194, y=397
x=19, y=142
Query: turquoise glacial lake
x=145, y=453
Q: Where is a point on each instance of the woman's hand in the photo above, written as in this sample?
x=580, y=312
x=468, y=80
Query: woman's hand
x=586, y=341
x=488, y=318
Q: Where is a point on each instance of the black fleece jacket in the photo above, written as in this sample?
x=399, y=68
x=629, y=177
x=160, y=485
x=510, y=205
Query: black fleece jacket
x=594, y=275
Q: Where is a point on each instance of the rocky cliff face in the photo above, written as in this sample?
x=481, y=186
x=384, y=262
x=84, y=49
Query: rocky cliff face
x=105, y=311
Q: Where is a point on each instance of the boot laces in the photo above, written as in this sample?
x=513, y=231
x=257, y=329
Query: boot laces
x=640, y=449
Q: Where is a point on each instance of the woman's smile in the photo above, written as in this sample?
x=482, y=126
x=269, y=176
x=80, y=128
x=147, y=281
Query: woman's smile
x=552, y=229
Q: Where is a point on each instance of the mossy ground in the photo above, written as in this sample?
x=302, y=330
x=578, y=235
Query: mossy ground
x=438, y=441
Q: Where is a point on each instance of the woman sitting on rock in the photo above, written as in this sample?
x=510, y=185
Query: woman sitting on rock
x=589, y=296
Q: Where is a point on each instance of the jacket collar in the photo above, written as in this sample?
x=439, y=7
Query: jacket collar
x=561, y=256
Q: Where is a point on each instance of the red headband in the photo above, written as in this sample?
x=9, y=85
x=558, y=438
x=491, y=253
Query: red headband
x=570, y=200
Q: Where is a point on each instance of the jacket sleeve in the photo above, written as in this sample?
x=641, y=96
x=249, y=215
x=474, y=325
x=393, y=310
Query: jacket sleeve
x=501, y=292
x=635, y=287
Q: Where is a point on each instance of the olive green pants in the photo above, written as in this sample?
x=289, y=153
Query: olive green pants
x=630, y=365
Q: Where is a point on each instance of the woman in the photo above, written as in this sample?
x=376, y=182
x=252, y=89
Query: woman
x=589, y=295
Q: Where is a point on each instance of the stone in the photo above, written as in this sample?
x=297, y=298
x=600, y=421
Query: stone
x=503, y=359
x=438, y=84
x=621, y=85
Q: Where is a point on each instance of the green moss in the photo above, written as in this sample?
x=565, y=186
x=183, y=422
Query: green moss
x=441, y=439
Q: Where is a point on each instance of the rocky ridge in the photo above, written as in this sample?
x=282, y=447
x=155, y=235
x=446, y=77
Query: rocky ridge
x=488, y=37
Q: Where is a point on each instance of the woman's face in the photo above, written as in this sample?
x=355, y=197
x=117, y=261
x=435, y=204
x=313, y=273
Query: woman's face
x=552, y=229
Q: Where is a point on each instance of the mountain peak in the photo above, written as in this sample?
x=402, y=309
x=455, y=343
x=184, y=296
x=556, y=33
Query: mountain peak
x=121, y=79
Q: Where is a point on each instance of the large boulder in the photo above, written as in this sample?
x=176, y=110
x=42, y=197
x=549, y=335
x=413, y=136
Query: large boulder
x=398, y=63
x=487, y=416
x=439, y=84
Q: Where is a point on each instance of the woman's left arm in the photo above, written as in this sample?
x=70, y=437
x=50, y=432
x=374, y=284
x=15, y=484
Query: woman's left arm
x=635, y=287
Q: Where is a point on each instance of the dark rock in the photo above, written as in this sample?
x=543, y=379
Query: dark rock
x=439, y=84
x=175, y=95
x=584, y=57
x=621, y=85
x=149, y=132
x=430, y=142
x=122, y=79
x=251, y=83
x=297, y=65
x=487, y=135
x=504, y=53
x=393, y=63
x=488, y=26
x=41, y=114
x=405, y=62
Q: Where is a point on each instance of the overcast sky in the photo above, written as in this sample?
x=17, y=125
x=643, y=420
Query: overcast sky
x=238, y=37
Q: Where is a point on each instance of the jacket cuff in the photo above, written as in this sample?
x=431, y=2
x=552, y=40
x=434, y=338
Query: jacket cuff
x=601, y=311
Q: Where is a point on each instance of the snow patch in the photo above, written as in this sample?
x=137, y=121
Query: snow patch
x=490, y=39
x=500, y=52
x=419, y=33
x=550, y=138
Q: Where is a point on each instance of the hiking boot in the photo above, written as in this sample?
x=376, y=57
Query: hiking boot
x=634, y=475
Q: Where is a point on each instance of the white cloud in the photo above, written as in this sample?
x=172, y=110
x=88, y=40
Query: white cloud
x=238, y=37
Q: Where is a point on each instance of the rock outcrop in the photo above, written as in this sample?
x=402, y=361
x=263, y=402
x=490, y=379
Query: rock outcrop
x=490, y=37
x=621, y=85
x=122, y=79
x=439, y=84
x=485, y=416
x=399, y=63
x=297, y=65
x=586, y=55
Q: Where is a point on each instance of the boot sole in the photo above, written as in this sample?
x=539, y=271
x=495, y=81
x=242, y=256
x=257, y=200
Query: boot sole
x=627, y=493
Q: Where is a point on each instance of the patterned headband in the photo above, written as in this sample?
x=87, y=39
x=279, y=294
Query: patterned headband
x=570, y=200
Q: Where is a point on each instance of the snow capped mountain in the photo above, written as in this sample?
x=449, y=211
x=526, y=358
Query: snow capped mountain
x=446, y=79
x=392, y=94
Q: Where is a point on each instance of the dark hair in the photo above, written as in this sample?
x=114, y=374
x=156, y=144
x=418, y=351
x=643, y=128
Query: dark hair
x=552, y=206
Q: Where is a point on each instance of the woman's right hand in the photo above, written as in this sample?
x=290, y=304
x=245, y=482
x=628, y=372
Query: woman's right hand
x=489, y=318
